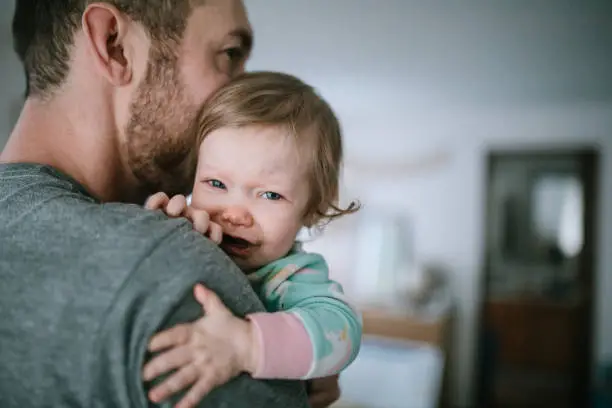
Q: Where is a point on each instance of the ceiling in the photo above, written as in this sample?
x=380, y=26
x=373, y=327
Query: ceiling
x=363, y=53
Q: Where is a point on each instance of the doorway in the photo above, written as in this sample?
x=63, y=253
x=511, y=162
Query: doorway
x=535, y=332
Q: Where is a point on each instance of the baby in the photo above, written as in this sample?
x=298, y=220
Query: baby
x=268, y=164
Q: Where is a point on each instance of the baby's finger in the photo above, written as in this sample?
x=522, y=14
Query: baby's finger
x=199, y=218
x=157, y=201
x=167, y=361
x=178, y=381
x=176, y=206
x=215, y=233
x=176, y=336
x=210, y=301
x=199, y=390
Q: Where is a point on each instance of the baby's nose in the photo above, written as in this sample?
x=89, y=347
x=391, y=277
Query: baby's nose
x=238, y=216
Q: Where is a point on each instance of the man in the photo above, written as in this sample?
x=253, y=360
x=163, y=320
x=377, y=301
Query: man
x=113, y=87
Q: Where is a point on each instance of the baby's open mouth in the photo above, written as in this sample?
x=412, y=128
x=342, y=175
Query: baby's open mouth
x=236, y=246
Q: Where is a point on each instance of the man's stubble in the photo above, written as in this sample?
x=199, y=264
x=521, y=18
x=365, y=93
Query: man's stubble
x=160, y=148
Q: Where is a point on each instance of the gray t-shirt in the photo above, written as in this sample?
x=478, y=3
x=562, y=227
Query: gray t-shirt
x=84, y=285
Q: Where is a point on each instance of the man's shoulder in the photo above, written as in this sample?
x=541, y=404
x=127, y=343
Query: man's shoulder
x=148, y=245
x=40, y=198
x=128, y=222
x=168, y=255
x=48, y=217
x=125, y=229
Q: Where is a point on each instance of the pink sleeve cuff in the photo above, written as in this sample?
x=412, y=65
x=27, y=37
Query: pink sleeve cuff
x=285, y=349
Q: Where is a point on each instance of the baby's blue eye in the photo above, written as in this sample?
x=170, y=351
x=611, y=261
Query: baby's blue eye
x=271, y=195
x=216, y=184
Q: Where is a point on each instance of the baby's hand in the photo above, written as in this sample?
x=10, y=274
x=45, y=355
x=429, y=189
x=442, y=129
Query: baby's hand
x=205, y=354
x=177, y=207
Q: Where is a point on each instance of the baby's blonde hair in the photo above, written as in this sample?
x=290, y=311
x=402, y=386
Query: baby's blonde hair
x=278, y=99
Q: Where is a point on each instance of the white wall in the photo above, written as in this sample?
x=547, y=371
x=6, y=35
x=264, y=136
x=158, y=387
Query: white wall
x=408, y=77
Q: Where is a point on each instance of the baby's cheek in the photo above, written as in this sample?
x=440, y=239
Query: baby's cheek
x=280, y=233
x=202, y=201
x=196, y=198
x=287, y=239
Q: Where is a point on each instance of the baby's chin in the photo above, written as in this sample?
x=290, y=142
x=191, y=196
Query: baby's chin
x=248, y=265
x=253, y=263
x=245, y=266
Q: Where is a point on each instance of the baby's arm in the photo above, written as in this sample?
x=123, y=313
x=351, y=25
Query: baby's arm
x=314, y=331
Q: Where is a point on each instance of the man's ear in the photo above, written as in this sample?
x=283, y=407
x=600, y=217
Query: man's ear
x=105, y=30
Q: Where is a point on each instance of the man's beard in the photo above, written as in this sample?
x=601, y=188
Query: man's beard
x=161, y=150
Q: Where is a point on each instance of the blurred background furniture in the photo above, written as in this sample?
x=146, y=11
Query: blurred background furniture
x=404, y=362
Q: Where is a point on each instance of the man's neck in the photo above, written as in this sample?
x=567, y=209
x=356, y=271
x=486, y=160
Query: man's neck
x=79, y=143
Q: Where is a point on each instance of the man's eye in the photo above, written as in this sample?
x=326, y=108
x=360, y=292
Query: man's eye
x=271, y=195
x=216, y=184
x=235, y=54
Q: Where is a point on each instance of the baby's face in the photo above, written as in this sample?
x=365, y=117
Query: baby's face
x=253, y=182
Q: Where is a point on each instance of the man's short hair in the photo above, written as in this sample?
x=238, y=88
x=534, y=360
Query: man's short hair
x=43, y=33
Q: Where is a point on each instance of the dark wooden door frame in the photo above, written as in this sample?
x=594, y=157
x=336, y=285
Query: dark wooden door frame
x=590, y=174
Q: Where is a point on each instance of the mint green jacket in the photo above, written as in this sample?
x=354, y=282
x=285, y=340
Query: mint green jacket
x=299, y=284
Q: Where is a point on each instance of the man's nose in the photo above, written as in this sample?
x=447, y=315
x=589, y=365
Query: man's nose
x=238, y=216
